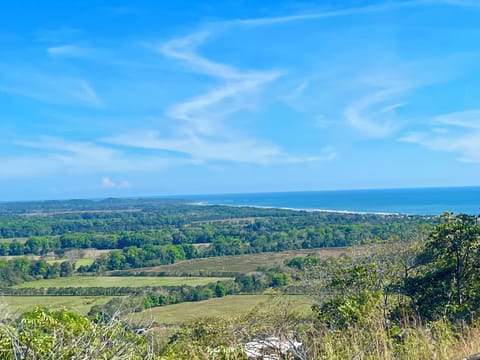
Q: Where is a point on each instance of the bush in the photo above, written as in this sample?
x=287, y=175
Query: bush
x=44, y=334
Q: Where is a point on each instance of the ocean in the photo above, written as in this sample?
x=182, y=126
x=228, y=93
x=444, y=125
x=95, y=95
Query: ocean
x=419, y=201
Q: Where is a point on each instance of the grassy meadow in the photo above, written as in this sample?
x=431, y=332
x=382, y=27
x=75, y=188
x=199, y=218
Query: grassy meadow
x=226, y=306
x=18, y=239
x=246, y=263
x=10, y=306
x=170, y=314
x=119, y=281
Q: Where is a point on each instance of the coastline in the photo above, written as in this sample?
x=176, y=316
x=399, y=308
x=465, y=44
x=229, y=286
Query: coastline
x=203, y=203
x=390, y=202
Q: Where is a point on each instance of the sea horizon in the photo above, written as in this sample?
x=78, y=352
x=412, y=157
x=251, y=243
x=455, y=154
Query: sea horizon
x=408, y=201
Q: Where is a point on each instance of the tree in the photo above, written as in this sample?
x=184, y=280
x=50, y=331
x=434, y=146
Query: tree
x=355, y=297
x=448, y=279
x=16, y=248
x=116, y=260
x=220, y=289
x=66, y=268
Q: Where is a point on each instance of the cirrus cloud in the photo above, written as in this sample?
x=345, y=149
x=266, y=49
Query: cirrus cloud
x=456, y=132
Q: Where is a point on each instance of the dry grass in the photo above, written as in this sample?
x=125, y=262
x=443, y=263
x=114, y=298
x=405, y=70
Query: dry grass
x=467, y=344
x=18, y=239
x=248, y=262
x=12, y=306
x=370, y=340
x=79, y=256
x=224, y=307
x=29, y=257
x=75, y=254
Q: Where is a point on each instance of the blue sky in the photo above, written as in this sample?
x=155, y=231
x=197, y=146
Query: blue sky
x=112, y=98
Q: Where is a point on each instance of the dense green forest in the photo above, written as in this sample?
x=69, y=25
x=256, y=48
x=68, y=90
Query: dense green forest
x=152, y=232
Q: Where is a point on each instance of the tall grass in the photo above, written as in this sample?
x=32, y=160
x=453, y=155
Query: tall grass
x=374, y=339
x=435, y=341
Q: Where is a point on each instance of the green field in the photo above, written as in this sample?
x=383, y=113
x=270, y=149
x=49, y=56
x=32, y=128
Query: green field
x=119, y=281
x=83, y=262
x=245, y=263
x=15, y=305
x=226, y=306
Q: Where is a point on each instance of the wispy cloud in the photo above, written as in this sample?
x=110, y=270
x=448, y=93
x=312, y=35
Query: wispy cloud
x=370, y=98
x=367, y=101
x=204, y=113
x=205, y=110
x=349, y=11
x=46, y=87
x=273, y=20
x=56, y=155
x=184, y=49
x=28, y=166
x=202, y=149
x=469, y=119
x=205, y=124
x=203, y=132
x=70, y=50
x=459, y=133
x=374, y=115
x=461, y=3
x=108, y=183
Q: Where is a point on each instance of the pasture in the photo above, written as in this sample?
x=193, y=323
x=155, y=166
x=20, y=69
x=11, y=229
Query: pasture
x=226, y=306
x=12, y=306
x=17, y=239
x=245, y=263
x=119, y=281
x=77, y=256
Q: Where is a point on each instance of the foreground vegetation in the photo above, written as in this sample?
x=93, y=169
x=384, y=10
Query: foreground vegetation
x=42, y=334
